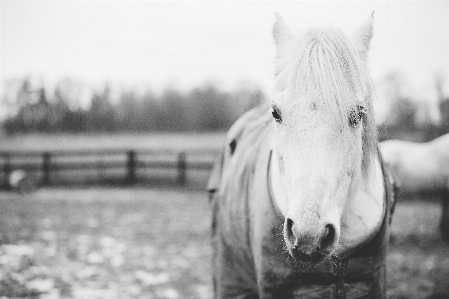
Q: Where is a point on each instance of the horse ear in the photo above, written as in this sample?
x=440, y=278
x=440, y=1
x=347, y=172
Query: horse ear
x=362, y=36
x=281, y=32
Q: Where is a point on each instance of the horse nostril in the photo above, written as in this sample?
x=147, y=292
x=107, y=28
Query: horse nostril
x=328, y=237
x=288, y=228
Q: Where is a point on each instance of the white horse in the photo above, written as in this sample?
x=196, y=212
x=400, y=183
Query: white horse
x=422, y=168
x=313, y=170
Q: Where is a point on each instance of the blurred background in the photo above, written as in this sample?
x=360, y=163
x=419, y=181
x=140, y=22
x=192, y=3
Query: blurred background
x=112, y=113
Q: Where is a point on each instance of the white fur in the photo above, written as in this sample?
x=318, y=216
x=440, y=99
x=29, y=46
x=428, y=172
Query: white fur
x=330, y=172
x=419, y=167
x=362, y=37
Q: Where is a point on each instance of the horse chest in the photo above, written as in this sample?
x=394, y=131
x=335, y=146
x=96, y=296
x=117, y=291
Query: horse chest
x=360, y=275
x=254, y=262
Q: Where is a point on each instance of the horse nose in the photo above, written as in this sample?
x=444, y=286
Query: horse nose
x=308, y=242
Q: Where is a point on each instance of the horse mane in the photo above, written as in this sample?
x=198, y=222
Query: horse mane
x=323, y=64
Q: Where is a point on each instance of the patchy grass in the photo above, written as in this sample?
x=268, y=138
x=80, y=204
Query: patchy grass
x=106, y=243
x=418, y=260
x=154, y=243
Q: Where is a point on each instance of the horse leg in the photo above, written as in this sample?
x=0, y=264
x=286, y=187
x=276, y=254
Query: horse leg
x=229, y=282
x=444, y=223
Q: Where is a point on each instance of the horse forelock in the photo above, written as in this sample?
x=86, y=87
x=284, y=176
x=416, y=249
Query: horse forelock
x=321, y=63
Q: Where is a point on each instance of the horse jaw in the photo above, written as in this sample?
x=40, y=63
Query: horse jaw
x=277, y=191
x=359, y=223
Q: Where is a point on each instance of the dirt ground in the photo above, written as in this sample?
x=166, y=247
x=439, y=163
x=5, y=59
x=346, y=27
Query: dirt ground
x=154, y=243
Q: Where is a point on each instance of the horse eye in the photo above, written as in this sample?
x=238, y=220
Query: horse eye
x=276, y=114
x=355, y=116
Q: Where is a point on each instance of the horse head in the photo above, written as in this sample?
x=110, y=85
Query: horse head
x=324, y=132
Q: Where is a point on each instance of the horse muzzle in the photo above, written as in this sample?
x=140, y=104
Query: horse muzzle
x=308, y=245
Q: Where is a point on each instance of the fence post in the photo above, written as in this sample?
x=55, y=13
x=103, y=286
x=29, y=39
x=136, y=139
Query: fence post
x=444, y=222
x=131, y=167
x=46, y=161
x=182, y=167
x=7, y=169
x=100, y=170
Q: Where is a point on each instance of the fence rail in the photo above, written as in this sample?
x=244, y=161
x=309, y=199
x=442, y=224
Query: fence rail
x=49, y=163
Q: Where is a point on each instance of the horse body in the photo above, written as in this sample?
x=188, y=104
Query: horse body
x=301, y=203
x=419, y=167
x=422, y=168
x=250, y=258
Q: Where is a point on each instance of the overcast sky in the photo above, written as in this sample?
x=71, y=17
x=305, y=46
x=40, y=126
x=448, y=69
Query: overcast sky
x=187, y=43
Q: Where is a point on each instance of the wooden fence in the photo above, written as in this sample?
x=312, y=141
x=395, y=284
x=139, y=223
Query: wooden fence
x=47, y=164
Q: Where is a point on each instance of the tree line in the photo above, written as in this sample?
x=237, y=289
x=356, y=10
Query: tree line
x=204, y=108
x=409, y=118
x=34, y=109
